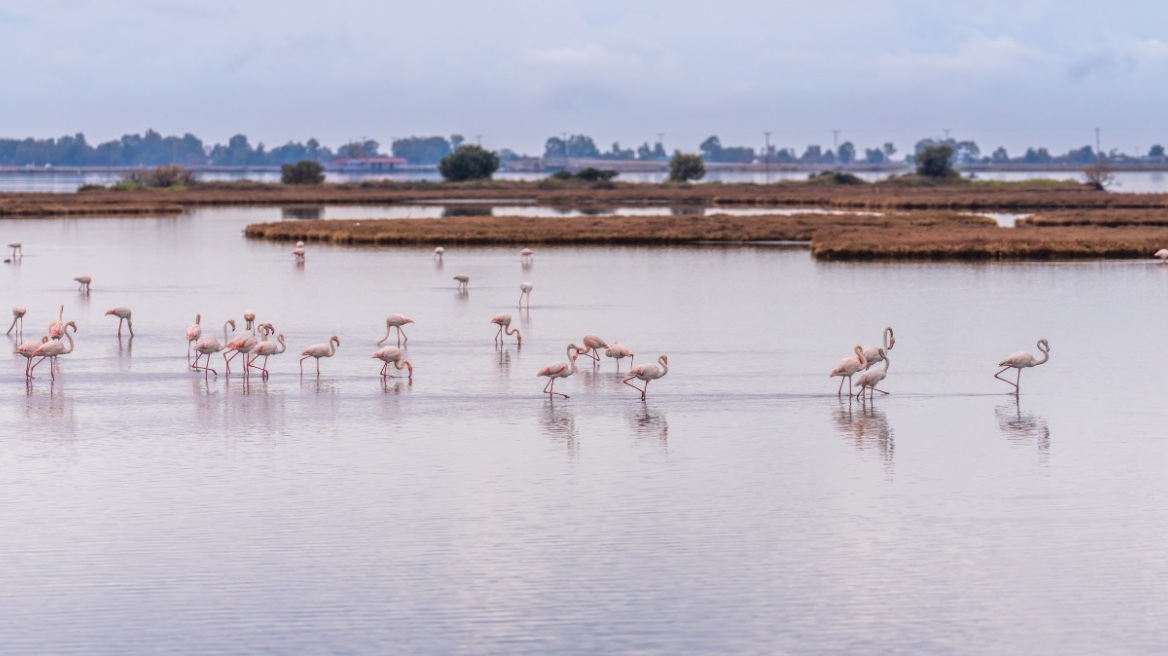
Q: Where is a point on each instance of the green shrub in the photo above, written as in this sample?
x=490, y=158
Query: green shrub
x=304, y=172
x=685, y=167
x=468, y=163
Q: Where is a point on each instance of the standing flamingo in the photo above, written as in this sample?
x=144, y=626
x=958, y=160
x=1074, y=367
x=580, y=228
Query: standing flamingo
x=266, y=348
x=17, y=250
x=240, y=342
x=559, y=370
x=319, y=351
x=123, y=314
x=84, y=286
x=872, y=377
x=396, y=321
x=872, y=353
x=393, y=355
x=249, y=319
x=27, y=349
x=298, y=253
x=1021, y=360
x=193, y=332
x=463, y=281
x=647, y=373
x=18, y=317
x=525, y=255
x=525, y=292
x=57, y=328
x=438, y=251
x=847, y=367
x=592, y=345
x=52, y=350
x=207, y=345
x=1162, y=254
x=503, y=320
x=618, y=351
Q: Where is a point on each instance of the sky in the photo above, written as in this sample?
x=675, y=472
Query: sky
x=512, y=73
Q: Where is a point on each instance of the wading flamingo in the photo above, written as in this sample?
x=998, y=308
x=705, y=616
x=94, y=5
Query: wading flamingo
x=319, y=351
x=241, y=342
x=872, y=353
x=1021, y=360
x=123, y=314
x=1162, y=254
x=618, y=351
x=396, y=321
x=648, y=372
x=847, y=367
x=18, y=313
x=592, y=345
x=525, y=255
x=194, y=331
x=266, y=348
x=207, y=345
x=393, y=355
x=463, y=281
x=298, y=253
x=872, y=377
x=525, y=293
x=52, y=350
x=27, y=349
x=438, y=251
x=249, y=319
x=559, y=370
x=84, y=286
x=17, y=250
x=56, y=328
x=503, y=320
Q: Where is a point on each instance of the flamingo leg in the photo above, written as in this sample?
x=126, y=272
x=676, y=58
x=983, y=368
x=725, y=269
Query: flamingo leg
x=1018, y=382
x=318, y=367
x=626, y=382
x=383, y=368
x=840, y=392
x=999, y=377
x=302, y=364
x=402, y=334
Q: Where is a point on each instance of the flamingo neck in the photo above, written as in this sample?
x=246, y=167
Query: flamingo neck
x=664, y=367
x=887, y=335
x=68, y=349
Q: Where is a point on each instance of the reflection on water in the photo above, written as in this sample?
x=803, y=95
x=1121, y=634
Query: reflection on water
x=558, y=422
x=647, y=423
x=465, y=210
x=302, y=212
x=1023, y=427
x=867, y=428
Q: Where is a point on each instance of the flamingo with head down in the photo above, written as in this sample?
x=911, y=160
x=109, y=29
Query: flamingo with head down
x=503, y=320
x=18, y=313
x=393, y=355
x=123, y=314
x=395, y=321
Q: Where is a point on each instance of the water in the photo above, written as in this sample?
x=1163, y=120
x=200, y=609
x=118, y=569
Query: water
x=743, y=508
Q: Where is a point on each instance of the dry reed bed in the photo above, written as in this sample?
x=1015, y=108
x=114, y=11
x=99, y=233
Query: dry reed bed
x=65, y=205
x=1098, y=218
x=585, y=230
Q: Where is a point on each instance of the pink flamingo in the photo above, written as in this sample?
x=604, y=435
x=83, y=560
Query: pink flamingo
x=18, y=313
x=503, y=320
x=463, y=281
x=266, y=348
x=525, y=292
x=525, y=255
x=298, y=253
x=872, y=353
x=559, y=370
x=207, y=345
x=438, y=251
x=847, y=367
x=52, y=350
x=873, y=377
x=193, y=332
x=241, y=342
x=1021, y=360
x=618, y=351
x=57, y=328
x=396, y=321
x=319, y=351
x=17, y=250
x=249, y=318
x=27, y=349
x=1162, y=254
x=84, y=286
x=647, y=373
x=592, y=345
x=393, y=355
x=123, y=314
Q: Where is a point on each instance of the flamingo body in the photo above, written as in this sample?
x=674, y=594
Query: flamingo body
x=503, y=320
x=848, y=367
x=393, y=355
x=463, y=281
x=873, y=353
x=84, y=283
x=1022, y=360
x=18, y=313
x=396, y=321
x=319, y=351
x=647, y=373
x=123, y=314
x=558, y=370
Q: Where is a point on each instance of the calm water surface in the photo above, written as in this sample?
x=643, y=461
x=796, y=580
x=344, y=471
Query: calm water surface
x=743, y=508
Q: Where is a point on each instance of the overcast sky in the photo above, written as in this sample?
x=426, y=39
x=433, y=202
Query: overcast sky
x=1012, y=73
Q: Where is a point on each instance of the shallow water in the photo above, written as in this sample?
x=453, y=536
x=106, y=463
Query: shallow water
x=743, y=508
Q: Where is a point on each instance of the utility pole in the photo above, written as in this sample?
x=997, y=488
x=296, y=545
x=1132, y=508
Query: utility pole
x=661, y=141
x=767, y=157
x=1097, y=150
x=835, y=145
x=565, y=137
x=479, y=139
x=946, y=134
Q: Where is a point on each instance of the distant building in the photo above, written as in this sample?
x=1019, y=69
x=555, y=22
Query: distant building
x=366, y=164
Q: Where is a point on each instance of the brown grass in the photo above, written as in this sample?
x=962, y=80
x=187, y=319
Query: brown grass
x=1098, y=218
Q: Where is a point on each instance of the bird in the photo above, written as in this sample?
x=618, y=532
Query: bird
x=266, y=348
x=84, y=286
x=503, y=320
x=463, y=281
x=592, y=344
x=438, y=251
x=618, y=351
x=17, y=250
x=396, y=321
x=240, y=342
x=319, y=351
x=872, y=353
x=847, y=367
x=1021, y=360
x=648, y=372
x=393, y=355
x=525, y=292
x=249, y=319
x=193, y=332
x=559, y=370
x=298, y=253
x=56, y=328
x=872, y=377
x=18, y=313
x=52, y=349
x=123, y=314
x=1162, y=254
x=525, y=255
x=207, y=345
x=27, y=349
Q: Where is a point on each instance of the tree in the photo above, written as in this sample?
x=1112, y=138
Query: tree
x=304, y=172
x=889, y=150
x=685, y=167
x=1084, y=155
x=421, y=150
x=1156, y=151
x=711, y=148
x=1099, y=175
x=1000, y=155
x=966, y=152
x=936, y=161
x=656, y=151
x=1039, y=156
x=874, y=156
x=846, y=153
x=456, y=141
x=469, y=163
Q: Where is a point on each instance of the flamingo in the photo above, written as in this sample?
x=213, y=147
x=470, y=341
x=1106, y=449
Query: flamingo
x=240, y=342
x=207, y=345
x=17, y=250
x=298, y=253
x=559, y=370
x=18, y=317
x=393, y=355
x=123, y=314
x=84, y=286
x=396, y=321
x=1021, y=360
x=847, y=367
x=618, y=351
x=56, y=328
x=647, y=373
x=872, y=377
x=1162, y=254
x=872, y=353
x=27, y=349
x=463, y=281
x=319, y=351
x=525, y=292
x=249, y=318
x=592, y=344
x=266, y=348
x=525, y=255
x=438, y=251
x=503, y=320
x=193, y=332
x=51, y=349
